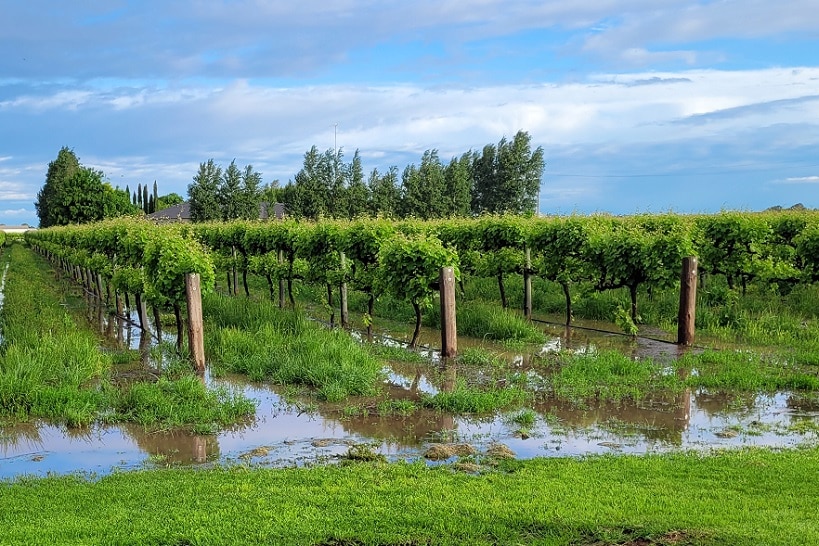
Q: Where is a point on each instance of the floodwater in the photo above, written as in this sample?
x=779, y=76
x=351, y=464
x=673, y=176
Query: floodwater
x=300, y=431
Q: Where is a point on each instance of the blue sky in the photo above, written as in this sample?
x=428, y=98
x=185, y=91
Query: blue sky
x=639, y=105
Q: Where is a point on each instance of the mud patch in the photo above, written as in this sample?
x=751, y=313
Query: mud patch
x=500, y=451
x=440, y=452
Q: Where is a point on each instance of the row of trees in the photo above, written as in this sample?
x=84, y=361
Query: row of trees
x=502, y=178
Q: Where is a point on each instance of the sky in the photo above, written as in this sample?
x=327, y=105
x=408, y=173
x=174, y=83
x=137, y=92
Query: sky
x=639, y=105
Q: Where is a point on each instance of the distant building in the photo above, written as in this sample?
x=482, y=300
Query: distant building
x=16, y=229
x=182, y=212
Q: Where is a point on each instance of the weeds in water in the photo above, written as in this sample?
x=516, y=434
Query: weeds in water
x=524, y=418
x=291, y=351
x=468, y=400
x=173, y=404
x=607, y=375
x=365, y=453
x=487, y=321
x=479, y=357
x=746, y=371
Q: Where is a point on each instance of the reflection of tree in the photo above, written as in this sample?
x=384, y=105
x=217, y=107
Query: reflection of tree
x=409, y=430
x=13, y=437
x=650, y=419
x=175, y=447
x=715, y=403
x=803, y=402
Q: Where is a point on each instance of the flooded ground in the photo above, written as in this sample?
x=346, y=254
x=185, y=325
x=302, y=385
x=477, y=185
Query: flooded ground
x=288, y=431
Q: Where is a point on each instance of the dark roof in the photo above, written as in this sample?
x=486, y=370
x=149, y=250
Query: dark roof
x=182, y=212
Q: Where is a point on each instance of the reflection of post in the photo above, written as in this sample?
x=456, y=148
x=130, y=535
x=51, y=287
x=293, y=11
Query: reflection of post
x=200, y=449
x=144, y=347
x=683, y=412
x=195, y=335
x=450, y=375
x=450, y=370
x=449, y=331
x=688, y=301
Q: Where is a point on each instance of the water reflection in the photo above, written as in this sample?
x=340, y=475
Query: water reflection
x=174, y=447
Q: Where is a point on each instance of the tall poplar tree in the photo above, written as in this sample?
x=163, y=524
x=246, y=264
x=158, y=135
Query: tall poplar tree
x=203, y=193
x=250, y=193
x=507, y=176
x=229, y=192
x=384, y=193
x=358, y=195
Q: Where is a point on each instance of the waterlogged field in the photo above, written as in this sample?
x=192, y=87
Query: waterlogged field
x=318, y=395
x=535, y=434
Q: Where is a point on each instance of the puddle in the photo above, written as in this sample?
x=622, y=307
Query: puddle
x=303, y=432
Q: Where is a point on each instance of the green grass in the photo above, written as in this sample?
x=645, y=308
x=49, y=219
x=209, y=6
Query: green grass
x=607, y=375
x=51, y=367
x=489, y=321
x=464, y=399
x=747, y=371
x=266, y=343
x=732, y=498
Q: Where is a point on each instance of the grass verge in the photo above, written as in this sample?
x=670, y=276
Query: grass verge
x=52, y=368
x=729, y=498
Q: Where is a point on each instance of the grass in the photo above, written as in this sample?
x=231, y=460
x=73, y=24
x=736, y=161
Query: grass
x=738, y=497
x=489, y=321
x=464, y=399
x=51, y=367
x=607, y=375
x=747, y=371
x=266, y=343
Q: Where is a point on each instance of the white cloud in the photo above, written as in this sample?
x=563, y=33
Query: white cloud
x=801, y=180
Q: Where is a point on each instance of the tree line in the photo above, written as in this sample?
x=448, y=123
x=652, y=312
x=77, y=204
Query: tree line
x=502, y=178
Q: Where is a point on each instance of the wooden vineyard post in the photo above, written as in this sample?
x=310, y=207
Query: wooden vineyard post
x=449, y=331
x=527, y=284
x=196, y=338
x=688, y=302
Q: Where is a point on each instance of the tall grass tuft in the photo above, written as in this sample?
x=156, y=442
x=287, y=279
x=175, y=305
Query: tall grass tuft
x=488, y=321
x=267, y=343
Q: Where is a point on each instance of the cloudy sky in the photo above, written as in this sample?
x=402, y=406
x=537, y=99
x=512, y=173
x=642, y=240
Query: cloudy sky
x=639, y=105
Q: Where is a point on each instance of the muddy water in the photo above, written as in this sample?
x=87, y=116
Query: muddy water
x=301, y=432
